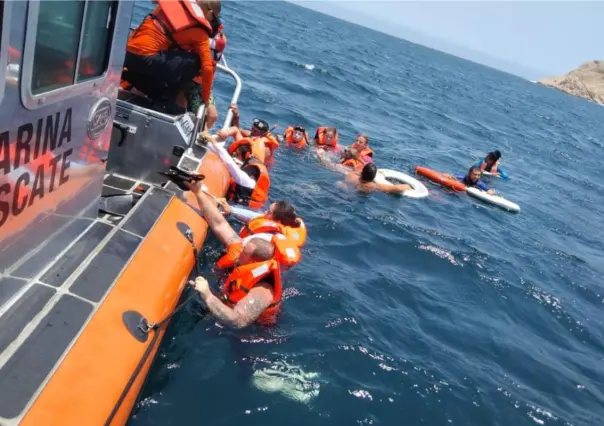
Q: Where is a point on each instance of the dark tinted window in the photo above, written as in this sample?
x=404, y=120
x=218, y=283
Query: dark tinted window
x=71, y=32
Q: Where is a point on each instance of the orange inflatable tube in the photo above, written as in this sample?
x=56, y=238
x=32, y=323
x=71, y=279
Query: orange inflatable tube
x=441, y=178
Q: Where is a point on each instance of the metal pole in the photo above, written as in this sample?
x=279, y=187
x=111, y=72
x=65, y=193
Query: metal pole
x=236, y=92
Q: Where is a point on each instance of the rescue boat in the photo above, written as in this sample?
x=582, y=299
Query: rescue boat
x=96, y=246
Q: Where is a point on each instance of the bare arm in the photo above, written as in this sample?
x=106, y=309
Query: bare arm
x=245, y=312
x=393, y=189
x=337, y=167
x=217, y=223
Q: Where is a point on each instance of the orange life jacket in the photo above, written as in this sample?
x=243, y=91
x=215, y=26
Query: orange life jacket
x=256, y=197
x=289, y=138
x=262, y=224
x=229, y=259
x=366, y=152
x=271, y=143
x=483, y=166
x=245, y=277
x=320, y=135
x=257, y=146
x=173, y=16
x=287, y=252
x=217, y=46
x=353, y=163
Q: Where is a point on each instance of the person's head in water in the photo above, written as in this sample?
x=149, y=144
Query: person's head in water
x=330, y=134
x=492, y=158
x=284, y=212
x=259, y=127
x=298, y=135
x=368, y=173
x=473, y=175
x=243, y=152
x=256, y=250
x=361, y=142
x=349, y=153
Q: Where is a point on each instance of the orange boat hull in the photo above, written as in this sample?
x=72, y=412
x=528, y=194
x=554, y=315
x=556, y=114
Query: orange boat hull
x=88, y=382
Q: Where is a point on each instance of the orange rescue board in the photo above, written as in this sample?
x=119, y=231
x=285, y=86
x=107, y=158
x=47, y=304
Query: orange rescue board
x=441, y=178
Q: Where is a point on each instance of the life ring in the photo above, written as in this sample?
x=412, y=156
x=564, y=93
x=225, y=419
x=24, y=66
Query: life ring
x=386, y=176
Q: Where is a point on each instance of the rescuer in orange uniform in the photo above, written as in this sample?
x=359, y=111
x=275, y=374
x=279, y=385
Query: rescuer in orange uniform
x=171, y=49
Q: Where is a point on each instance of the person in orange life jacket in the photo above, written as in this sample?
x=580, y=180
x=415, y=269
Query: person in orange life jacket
x=364, y=181
x=491, y=164
x=259, y=133
x=253, y=290
x=327, y=138
x=250, y=182
x=361, y=144
x=350, y=159
x=169, y=49
x=295, y=137
x=280, y=218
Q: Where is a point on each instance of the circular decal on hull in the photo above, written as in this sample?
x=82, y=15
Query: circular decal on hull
x=99, y=118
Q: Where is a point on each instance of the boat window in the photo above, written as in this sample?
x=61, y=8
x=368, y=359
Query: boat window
x=73, y=40
x=96, y=40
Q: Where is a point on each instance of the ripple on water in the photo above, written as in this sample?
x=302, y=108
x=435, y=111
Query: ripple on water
x=434, y=311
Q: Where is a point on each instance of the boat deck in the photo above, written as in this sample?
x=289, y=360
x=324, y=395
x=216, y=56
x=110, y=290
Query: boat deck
x=48, y=297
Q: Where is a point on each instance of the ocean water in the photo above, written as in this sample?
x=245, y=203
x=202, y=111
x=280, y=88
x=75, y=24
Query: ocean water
x=435, y=311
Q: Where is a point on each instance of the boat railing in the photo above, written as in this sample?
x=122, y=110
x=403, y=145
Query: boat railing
x=201, y=111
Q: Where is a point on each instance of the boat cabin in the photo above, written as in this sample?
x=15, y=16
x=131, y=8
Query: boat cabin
x=92, y=238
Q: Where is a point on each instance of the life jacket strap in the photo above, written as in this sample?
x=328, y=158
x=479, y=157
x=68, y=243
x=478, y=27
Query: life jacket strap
x=167, y=33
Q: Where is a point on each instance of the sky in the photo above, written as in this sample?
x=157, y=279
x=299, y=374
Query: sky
x=531, y=39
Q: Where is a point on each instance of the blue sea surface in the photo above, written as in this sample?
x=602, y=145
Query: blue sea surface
x=435, y=311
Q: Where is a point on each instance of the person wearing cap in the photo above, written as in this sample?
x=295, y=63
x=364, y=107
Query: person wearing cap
x=295, y=137
x=491, y=165
x=259, y=136
x=171, y=48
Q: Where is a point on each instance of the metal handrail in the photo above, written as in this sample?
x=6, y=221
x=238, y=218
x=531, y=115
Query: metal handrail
x=201, y=111
x=236, y=92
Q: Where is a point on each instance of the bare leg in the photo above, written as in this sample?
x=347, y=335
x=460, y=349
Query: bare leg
x=211, y=116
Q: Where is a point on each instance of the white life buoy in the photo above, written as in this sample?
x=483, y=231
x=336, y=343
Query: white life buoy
x=493, y=199
x=386, y=176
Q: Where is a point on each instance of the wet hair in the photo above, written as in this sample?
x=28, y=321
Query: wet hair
x=364, y=136
x=466, y=179
x=368, y=173
x=260, y=249
x=493, y=156
x=244, y=150
x=332, y=130
x=285, y=213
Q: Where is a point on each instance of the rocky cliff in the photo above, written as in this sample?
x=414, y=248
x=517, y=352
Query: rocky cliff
x=587, y=81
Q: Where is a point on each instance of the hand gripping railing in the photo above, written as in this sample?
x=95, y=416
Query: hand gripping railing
x=201, y=111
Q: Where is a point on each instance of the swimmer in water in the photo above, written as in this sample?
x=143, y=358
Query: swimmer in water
x=365, y=181
x=472, y=179
x=361, y=144
x=491, y=165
